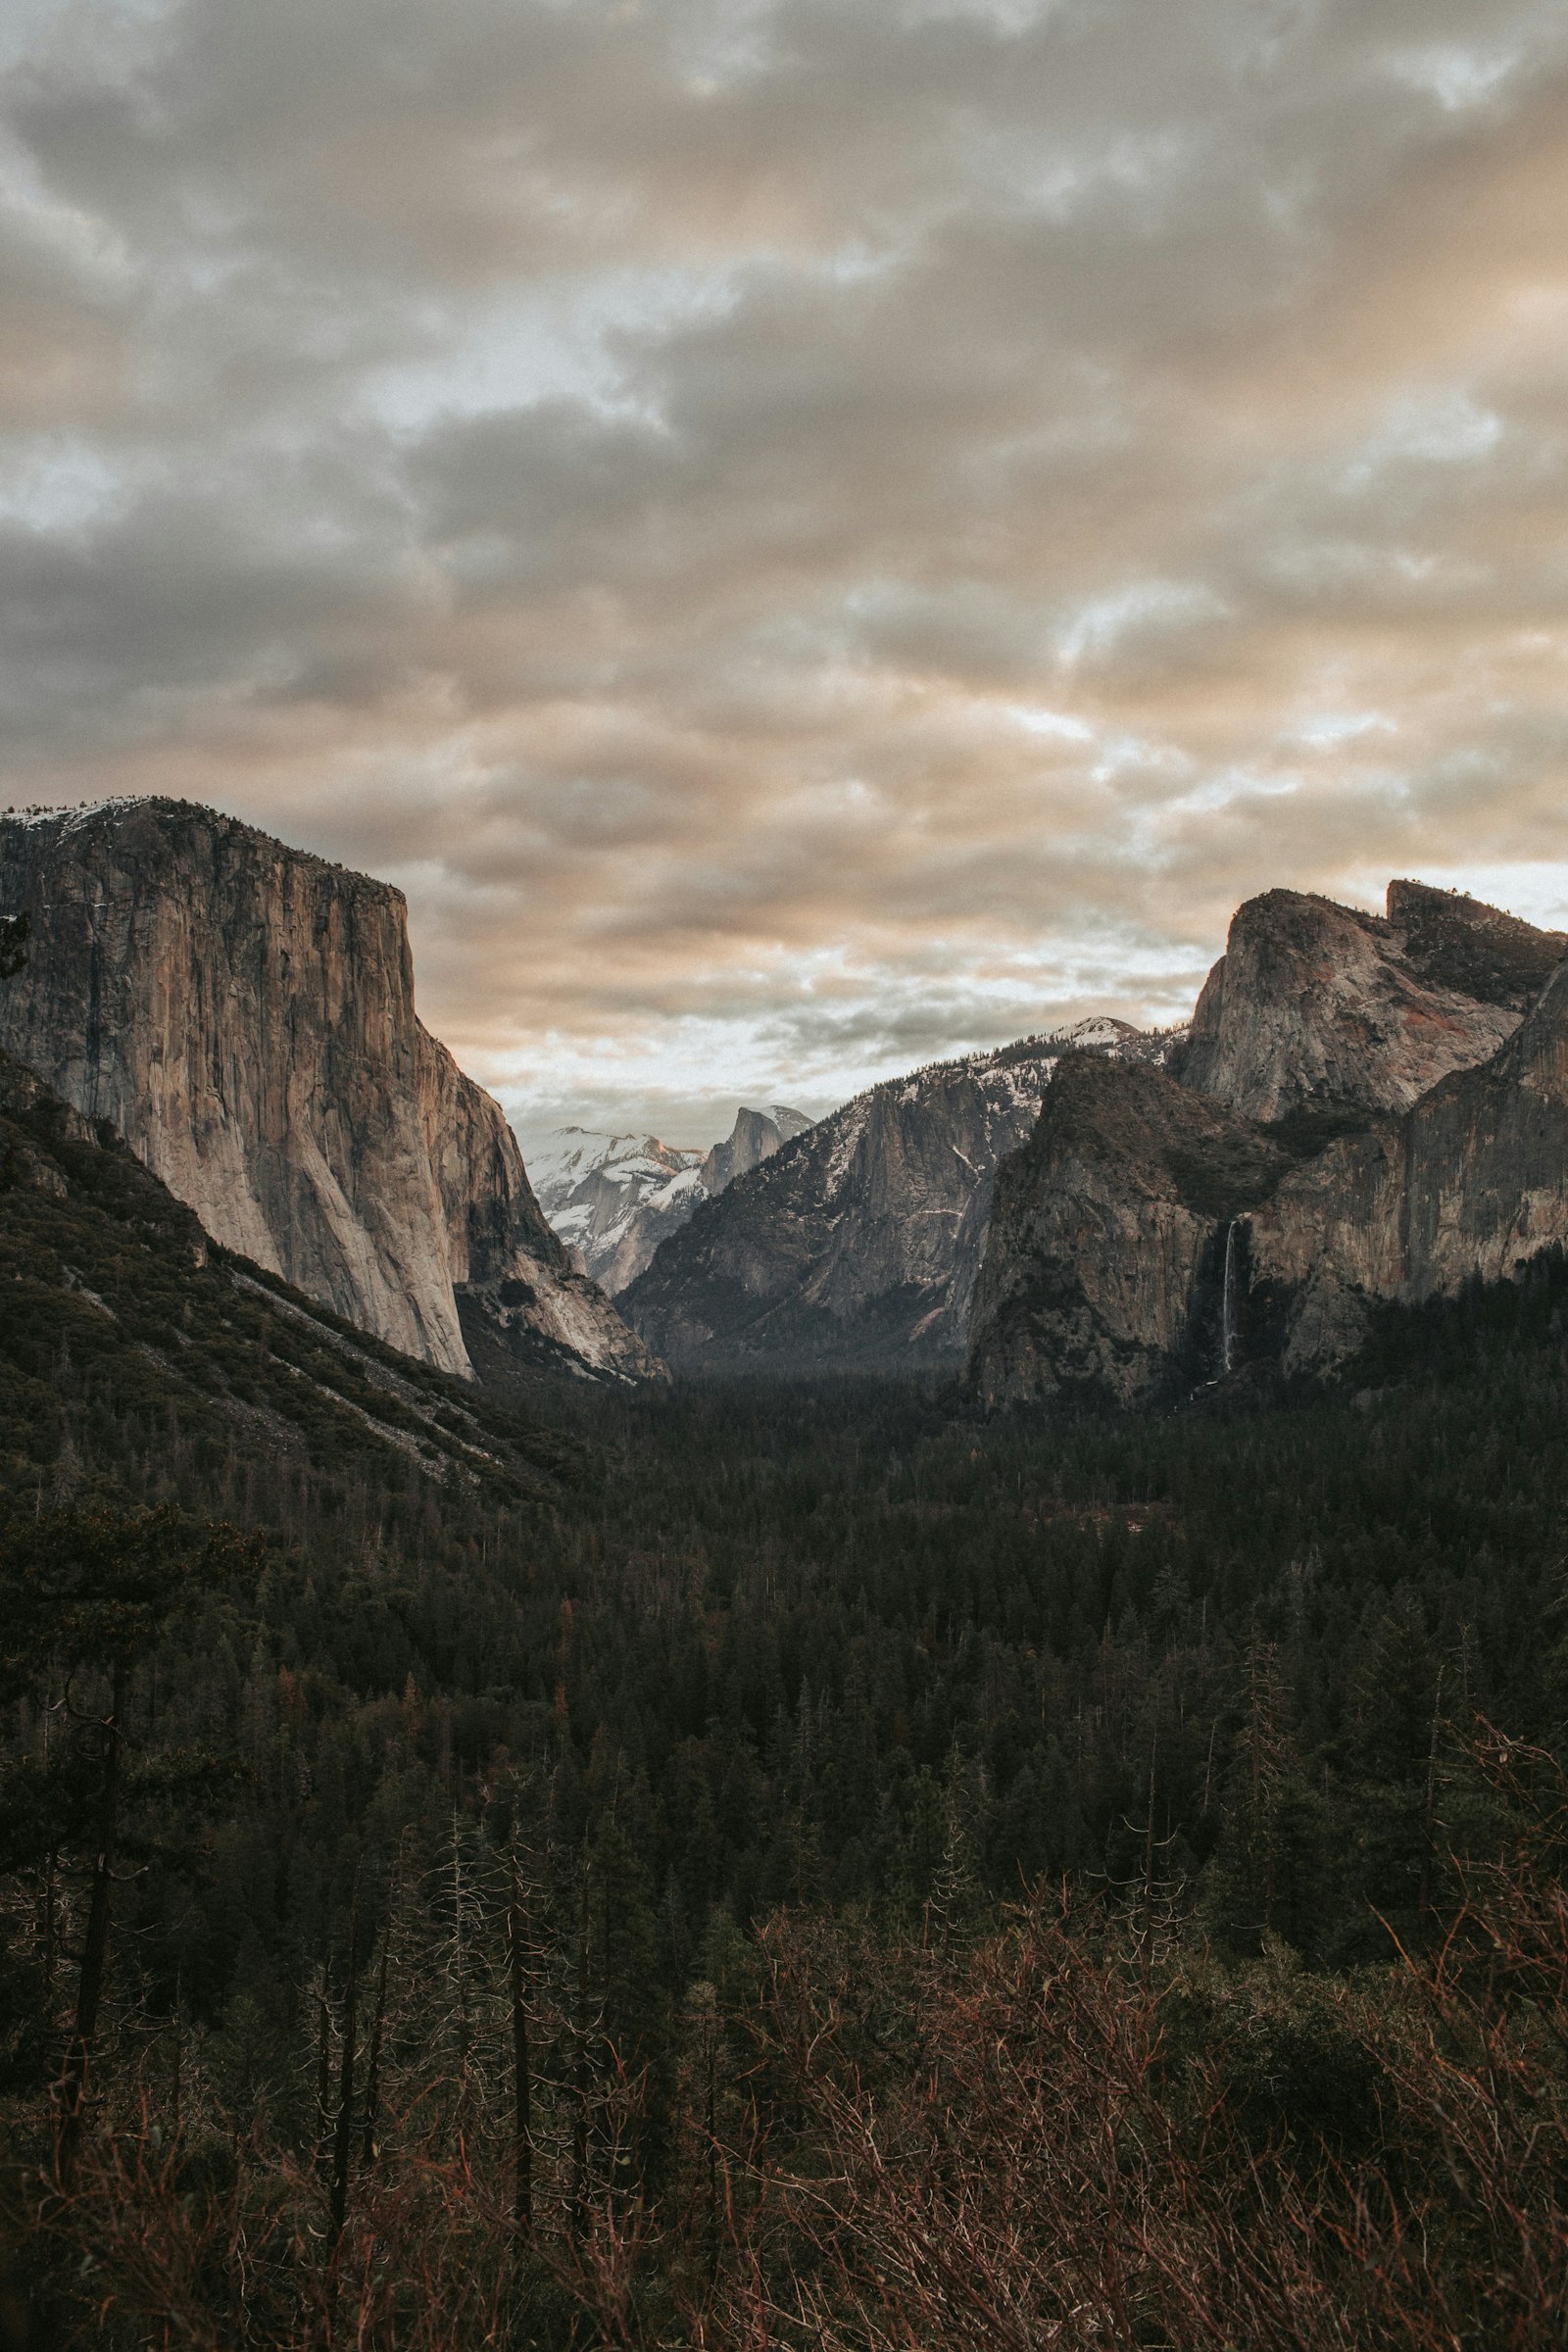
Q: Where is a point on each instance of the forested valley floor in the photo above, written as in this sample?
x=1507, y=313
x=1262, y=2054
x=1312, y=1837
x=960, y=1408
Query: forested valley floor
x=749, y=1866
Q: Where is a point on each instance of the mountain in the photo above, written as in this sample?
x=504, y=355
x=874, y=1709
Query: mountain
x=755, y=1137
x=1367, y=1109
x=129, y=1333
x=859, y=1241
x=1313, y=1003
x=612, y=1199
x=243, y=1015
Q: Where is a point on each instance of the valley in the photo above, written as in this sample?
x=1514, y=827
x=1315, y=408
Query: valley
x=518, y=1771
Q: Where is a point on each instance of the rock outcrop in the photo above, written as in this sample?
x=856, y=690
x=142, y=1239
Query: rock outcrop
x=858, y=1242
x=1103, y=1276
x=243, y=1015
x=755, y=1137
x=1314, y=1004
x=612, y=1199
x=1364, y=1113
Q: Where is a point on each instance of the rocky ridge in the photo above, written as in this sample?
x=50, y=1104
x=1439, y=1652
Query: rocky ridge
x=858, y=1242
x=1316, y=1004
x=612, y=1199
x=1365, y=1111
x=243, y=1015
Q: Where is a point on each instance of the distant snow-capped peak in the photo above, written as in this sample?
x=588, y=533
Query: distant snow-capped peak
x=614, y=1198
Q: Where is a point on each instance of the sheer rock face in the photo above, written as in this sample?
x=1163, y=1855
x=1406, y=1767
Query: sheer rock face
x=243, y=1013
x=755, y=1137
x=1103, y=1273
x=1314, y=1004
x=858, y=1242
x=1106, y=1271
x=1471, y=1182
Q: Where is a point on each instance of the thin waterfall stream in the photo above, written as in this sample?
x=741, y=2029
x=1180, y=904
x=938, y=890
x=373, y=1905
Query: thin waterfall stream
x=1228, y=1316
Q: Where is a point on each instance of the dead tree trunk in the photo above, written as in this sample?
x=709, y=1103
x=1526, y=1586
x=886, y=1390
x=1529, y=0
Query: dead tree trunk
x=579, y=2117
x=523, y=2087
x=343, y=2132
x=373, y=2065
x=95, y=1950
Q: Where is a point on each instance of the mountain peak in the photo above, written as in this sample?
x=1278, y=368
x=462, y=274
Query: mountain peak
x=859, y=1242
x=612, y=1199
x=1314, y=1004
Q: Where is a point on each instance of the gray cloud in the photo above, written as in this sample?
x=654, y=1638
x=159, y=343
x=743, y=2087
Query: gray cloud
x=808, y=534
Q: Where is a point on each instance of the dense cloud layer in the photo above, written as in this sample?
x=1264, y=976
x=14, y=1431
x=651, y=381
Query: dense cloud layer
x=806, y=535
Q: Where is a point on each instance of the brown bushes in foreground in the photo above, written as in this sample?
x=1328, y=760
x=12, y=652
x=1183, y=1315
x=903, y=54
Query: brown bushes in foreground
x=1043, y=2139
x=1042, y=2144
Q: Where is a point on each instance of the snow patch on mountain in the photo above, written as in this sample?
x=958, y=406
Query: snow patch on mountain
x=858, y=1242
x=612, y=1199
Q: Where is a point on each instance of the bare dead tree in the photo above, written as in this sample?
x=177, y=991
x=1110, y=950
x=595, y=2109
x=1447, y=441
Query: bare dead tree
x=95, y=1950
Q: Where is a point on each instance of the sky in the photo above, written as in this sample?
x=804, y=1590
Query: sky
x=807, y=535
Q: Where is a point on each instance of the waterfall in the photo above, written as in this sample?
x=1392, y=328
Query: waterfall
x=1227, y=1325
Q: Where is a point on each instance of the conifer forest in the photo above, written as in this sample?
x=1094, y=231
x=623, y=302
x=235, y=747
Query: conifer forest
x=790, y=1865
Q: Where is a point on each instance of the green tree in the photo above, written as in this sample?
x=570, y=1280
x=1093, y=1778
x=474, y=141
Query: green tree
x=1265, y=1881
x=85, y=1591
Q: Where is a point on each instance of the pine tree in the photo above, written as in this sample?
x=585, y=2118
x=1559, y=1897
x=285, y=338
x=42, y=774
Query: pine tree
x=1266, y=1878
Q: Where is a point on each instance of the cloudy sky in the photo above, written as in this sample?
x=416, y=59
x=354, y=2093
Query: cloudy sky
x=805, y=534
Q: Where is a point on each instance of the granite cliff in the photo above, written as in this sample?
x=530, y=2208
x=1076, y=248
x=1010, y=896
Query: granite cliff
x=755, y=1137
x=243, y=1015
x=1314, y=1004
x=858, y=1242
x=1365, y=1111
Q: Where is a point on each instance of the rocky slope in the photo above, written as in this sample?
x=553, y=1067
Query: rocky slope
x=859, y=1241
x=612, y=1199
x=243, y=1015
x=1364, y=1113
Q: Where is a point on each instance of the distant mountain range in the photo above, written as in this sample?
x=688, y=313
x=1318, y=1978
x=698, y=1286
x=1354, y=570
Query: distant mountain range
x=612, y=1199
x=858, y=1242
x=1365, y=1111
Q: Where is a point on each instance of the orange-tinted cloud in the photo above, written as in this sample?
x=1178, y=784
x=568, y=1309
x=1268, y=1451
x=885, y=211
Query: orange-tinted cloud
x=806, y=533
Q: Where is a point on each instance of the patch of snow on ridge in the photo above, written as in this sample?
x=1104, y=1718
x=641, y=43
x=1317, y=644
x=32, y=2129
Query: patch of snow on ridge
x=1096, y=1032
x=71, y=819
x=612, y=1199
x=849, y=1125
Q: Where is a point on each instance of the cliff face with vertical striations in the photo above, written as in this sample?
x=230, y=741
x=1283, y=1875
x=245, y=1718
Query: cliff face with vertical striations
x=1368, y=1108
x=1314, y=1004
x=858, y=1242
x=243, y=1015
x=1103, y=1270
x=1470, y=1183
x=755, y=1137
